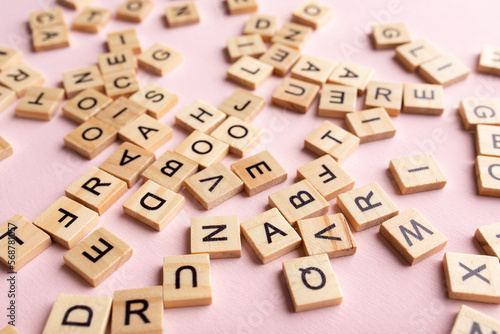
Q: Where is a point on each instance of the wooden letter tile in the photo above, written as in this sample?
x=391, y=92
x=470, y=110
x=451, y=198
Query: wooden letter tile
x=123, y=83
x=390, y=35
x=444, y=70
x=47, y=17
x=50, y=38
x=488, y=176
x=219, y=237
x=117, y=61
x=479, y=111
x=352, y=75
x=170, y=170
x=472, y=277
x=20, y=78
x=125, y=39
x=413, y=236
x=85, y=105
x=313, y=69
x=471, y=321
x=98, y=256
x=7, y=98
x=312, y=282
x=263, y=25
x=327, y=176
x=134, y=10
x=424, y=99
x=40, y=103
x=330, y=139
x=20, y=242
x=249, y=72
x=385, y=95
x=239, y=135
x=337, y=100
x=213, y=185
x=78, y=80
x=67, y=222
x=186, y=280
x=312, y=13
x=75, y=4
x=200, y=116
x=246, y=45
x=159, y=59
x=489, y=60
x=292, y=34
x=488, y=140
x=97, y=190
x=414, y=54
x=120, y=112
x=295, y=95
x=146, y=132
x=5, y=149
x=79, y=314
x=417, y=173
x=270, y=235
x=330, y=235
x=89, y=139
x=299, y=201
x=138, y=311
x=281, y=57
x=154, y=205
x=243, y=104
x=128, y=162
x=157, y=100
x=91, y=20
x=9, y=58
x=202, y=149
x=9, y=329
x=370, y=125
x=367, y=206
x=489, y=238
x=242, y=6
x=182, y=15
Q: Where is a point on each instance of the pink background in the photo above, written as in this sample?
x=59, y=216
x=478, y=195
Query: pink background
x=381, y=292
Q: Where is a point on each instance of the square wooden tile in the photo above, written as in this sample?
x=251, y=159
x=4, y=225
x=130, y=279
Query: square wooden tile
x=312, y=282
x=201, y=116
x=367, y=206
x=75, y=4
x=327, y=176
x=186, y=280
x=85, y=105
x=281, y=57
x=263, y=25
x=20, y=78
x=202, y=149
x=371, y=124
x=414, y=54
x=249, y=72
x=78, y=80
x=7, y=98
x=5, y=149
x=219, y=237
x=98, y=256
x=337, y=100
x=154, y=205
x=488, y=176
x=128, y=162
x=352, y=75
x=469, y=320
x=159, y=59
x=120, y=112
x=489, y=60
x=9, y=58
x=40, y=103
x=96, y=189
x=330, y=139
x=295, y=95
x=472, y=277
x=91, y=19
x=242, y=7
x=328, y=235
x=417, y=173
x=46, y=17
x=488, y=140
x=67, y=222
x=444, y=70
x=157, y=100
x=413, y=236
x=488, y=237
x=134, y=10
x=293, y=34
x=241, y=136
x=299, y=201
x=213, y=185
x=259, y=172
x=246, y=45
x=9, y=329
x=386, y=95
x=146, y=132
x=479, y=111
x=138, y=311
x=313, y=69
x=117, y=61
x=20, y=236
x=312, y=13
x=182, y=14
x=243, y=104
x=270, y=235
x=390, y=35
x=427, y=99
x=90, y=138
x=50, y=38
x=123, y=40
x=123, y=83
x=170, y=170
x=79, y=314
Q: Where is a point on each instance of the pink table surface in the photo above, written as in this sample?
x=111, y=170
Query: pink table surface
x=381, y=292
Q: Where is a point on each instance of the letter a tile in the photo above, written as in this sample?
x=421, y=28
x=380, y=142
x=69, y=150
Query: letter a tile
x=146, y=132
x=219, y=237
x=470, y=321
